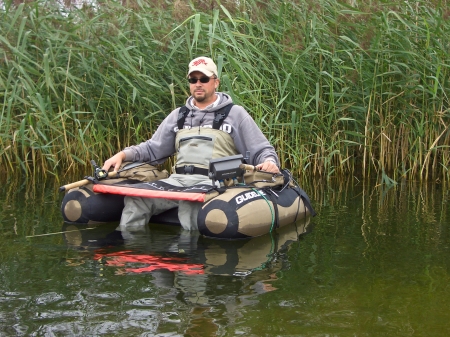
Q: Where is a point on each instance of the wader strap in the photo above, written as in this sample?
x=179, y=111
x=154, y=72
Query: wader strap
x=219, y=116
x=182, y=116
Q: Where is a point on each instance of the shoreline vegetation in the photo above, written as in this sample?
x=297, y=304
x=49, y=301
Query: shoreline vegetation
x=340, y=88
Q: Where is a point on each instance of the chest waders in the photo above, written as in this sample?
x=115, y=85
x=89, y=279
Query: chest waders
x=197, y=146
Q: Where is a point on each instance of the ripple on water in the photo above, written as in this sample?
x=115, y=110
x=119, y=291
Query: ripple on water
x=47, y=298
x=146, y=302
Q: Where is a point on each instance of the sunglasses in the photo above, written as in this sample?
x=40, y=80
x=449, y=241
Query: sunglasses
x=201, y=79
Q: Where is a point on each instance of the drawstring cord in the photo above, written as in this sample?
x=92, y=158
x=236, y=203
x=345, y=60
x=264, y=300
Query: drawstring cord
x=271, y=256
x=270, y=207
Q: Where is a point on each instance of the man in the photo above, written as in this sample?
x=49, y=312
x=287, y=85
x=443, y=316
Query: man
x=195, y=143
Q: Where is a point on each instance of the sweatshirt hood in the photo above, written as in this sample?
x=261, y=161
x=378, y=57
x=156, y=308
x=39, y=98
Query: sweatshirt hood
x=224, y=99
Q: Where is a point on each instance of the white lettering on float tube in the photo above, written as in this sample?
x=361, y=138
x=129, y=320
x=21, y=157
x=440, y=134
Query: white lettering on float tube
x=247, y=196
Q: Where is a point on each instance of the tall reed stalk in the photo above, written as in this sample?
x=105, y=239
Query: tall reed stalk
x=339, y=88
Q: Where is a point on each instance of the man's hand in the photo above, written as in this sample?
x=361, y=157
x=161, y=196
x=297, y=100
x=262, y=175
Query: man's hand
x=115, y=161
x=268, y=166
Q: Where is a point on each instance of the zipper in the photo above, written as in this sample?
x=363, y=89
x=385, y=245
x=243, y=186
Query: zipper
x=196, y=137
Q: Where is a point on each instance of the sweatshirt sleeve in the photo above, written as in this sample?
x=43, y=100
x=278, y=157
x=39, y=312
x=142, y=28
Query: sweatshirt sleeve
x=159, y=147
x=249, y=137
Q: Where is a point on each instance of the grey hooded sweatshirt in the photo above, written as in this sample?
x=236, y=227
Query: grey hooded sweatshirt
x=239, y=124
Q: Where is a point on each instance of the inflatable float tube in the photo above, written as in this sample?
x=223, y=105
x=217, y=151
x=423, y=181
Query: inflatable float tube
x=81, y=205
x=233, y=212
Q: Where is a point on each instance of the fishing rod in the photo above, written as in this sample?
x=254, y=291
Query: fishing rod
x=101, y=174
x=56, y=233
x=247, y=167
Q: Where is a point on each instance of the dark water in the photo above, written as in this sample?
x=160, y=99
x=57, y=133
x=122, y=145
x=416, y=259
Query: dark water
x=374, y=262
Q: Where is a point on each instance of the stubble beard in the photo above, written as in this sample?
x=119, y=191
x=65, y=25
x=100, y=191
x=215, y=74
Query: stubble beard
x=200, y=97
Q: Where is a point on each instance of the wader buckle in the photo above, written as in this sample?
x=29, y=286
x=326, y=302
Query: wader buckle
x=189, y=169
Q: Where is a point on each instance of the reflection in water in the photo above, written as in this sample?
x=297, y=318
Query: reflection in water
x=171, y=248
x=191, y=267
x=150, y=262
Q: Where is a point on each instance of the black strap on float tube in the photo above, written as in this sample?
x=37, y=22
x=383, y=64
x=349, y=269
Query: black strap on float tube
x=219, y=116
x=302, y=194
x=306, y=200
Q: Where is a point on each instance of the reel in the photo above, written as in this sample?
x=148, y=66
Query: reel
x=99, y=173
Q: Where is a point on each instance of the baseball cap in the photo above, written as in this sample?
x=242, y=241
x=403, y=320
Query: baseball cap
x=204, y=65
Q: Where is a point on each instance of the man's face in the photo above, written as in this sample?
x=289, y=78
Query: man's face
x=203, y=92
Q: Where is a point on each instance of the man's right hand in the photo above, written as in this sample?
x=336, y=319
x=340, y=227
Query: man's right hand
x=115, y=161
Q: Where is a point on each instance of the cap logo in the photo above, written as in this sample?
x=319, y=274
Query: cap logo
x=198, y=62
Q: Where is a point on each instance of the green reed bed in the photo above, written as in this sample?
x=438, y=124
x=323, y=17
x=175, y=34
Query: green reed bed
x=338, y=89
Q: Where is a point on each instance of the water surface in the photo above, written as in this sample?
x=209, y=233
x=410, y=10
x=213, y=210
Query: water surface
x=374, y=262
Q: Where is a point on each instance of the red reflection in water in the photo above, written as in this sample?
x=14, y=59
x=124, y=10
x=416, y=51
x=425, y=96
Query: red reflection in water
x=154, y=262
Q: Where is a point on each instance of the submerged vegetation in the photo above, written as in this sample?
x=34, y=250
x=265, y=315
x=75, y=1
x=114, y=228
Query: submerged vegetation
x=340, y=88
